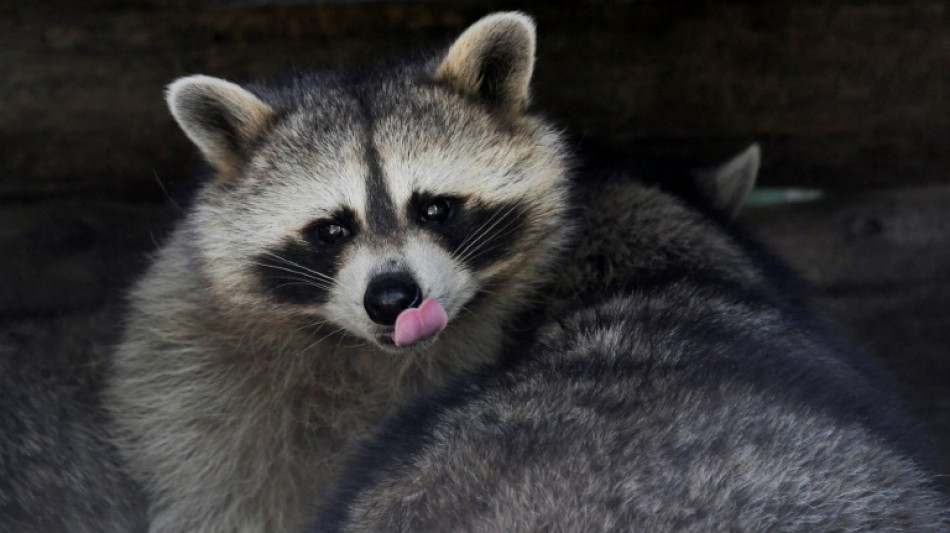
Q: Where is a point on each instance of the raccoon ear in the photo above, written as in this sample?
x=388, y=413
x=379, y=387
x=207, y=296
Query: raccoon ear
x=728, y=185
x=220, y=117
x=493, y=59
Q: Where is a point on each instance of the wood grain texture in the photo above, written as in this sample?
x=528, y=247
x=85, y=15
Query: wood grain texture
x=843, y=95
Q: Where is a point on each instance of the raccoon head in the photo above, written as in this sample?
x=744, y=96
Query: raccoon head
x=348, y=200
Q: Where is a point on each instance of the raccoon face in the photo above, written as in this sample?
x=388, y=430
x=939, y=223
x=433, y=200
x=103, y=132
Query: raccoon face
x=386, y=203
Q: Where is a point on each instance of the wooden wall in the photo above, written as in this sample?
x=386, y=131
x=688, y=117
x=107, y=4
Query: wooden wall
x=848, y=96
x=843, y=94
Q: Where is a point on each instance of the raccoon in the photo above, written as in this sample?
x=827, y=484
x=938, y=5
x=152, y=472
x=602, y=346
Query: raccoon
x=367, y=235
x=686, y=390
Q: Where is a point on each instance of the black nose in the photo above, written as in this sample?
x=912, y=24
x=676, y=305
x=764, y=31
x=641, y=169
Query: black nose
x=388, y=295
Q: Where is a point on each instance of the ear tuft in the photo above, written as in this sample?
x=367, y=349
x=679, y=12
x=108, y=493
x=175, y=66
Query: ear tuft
x=493, y=60
x=728, y=185
x=220, y=117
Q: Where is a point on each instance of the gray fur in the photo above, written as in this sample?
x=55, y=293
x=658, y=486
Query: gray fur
x=688, y=394
x=235, y=400
x=59, y=471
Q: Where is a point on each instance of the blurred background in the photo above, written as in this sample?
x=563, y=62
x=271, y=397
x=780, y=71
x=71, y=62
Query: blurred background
x=850, y=100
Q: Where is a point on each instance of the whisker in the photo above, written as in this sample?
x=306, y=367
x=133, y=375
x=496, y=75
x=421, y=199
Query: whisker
x=475, y=235
x=478, y=251
x=472, y=248
x=325, y=337
x=321, y=322
x=283, y=268
x=297, y=276
x=480, y=233
x=302, y=274
x=305, y=271
x=357, y=345
x=339, y=343
x=543, y=236
x=484, y=246
x=298, y=265
x=307, y=283
x=310, y=325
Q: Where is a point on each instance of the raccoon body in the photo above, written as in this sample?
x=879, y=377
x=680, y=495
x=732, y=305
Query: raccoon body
x=263, y=341
x=686, y=390
x=59, y=471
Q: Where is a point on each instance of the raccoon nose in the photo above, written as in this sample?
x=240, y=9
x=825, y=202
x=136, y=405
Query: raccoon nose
x=388, y=295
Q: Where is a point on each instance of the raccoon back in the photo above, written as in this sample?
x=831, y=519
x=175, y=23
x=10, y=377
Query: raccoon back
x=675, y=406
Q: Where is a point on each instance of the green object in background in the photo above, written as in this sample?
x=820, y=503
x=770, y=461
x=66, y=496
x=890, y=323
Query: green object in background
x=783, y=195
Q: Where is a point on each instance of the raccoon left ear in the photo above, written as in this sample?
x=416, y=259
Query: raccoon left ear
x=493, y=60
x=728, y=185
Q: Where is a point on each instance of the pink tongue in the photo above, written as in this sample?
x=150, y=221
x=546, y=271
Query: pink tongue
x=417, y=323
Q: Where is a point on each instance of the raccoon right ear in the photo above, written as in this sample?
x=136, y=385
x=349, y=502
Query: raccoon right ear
x=220, y=117
x=493, y=60
x=728, y=185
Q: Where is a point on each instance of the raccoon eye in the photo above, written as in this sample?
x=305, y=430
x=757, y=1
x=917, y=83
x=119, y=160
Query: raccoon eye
x=329, y=233
x=437, y=211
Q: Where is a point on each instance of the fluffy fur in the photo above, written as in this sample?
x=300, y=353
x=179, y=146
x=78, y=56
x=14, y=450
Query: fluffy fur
x=690, y=393
x=59, y=471
x=249, y=367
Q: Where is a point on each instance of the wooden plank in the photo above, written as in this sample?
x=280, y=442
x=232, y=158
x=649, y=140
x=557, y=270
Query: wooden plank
x=844, y=95
x=67, y=255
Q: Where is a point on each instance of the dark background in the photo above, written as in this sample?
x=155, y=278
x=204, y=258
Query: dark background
x=848, y=97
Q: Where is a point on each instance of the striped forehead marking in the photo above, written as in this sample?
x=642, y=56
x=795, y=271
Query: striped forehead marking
x=380, y=212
